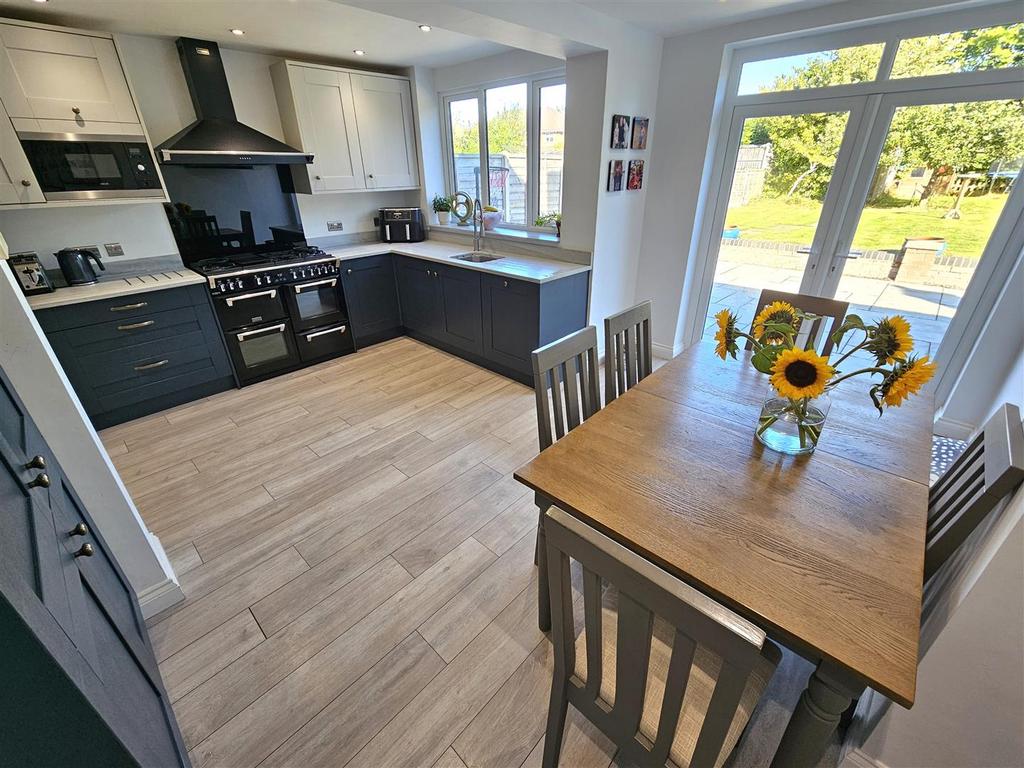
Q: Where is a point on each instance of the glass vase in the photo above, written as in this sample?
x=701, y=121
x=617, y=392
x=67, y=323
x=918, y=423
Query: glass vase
x=792, y=426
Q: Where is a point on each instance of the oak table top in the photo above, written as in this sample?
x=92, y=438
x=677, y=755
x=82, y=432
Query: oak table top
x=825, y=552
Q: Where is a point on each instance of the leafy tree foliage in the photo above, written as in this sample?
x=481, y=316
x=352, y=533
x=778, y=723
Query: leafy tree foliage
x=506, y=134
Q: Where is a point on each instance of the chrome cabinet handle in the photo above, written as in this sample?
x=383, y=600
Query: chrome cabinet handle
x=151, y=366
x=127, y=307
x=135, y=326
x=271, y=329
x=85, y=550
x=36, y=462
x=79, y=530
x=26, y=183
x=230, y=301
x=332, y=282
x=42, y=480
x=339, y=329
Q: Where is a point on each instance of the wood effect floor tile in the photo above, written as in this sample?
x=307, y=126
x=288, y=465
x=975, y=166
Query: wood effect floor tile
x=450, y=759
x=509, y=526
x=519, y=451
x=184, y=558
x=583, y=745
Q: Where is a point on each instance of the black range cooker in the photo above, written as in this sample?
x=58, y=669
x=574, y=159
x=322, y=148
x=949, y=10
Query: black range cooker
x=279, y=310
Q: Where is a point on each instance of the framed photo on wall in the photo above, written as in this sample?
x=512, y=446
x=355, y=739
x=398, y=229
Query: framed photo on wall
x=636, y=174
x=615, y=174
x=620, y=131
x=639, y=140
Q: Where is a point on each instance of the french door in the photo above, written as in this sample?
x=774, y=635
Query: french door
x=858, y=198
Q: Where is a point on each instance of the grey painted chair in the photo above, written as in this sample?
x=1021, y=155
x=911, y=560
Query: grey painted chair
x=660, y=668
x=567, y=389
x=628, y=351
x=826, y=308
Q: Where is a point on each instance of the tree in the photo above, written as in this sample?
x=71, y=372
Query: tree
x=506, y=134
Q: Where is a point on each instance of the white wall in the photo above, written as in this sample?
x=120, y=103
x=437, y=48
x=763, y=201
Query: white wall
x=428, y=125
x=490, y=69
x=29, y=362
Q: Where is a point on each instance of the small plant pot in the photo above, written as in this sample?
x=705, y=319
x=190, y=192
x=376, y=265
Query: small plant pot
x=443, y=216
x=491, y=219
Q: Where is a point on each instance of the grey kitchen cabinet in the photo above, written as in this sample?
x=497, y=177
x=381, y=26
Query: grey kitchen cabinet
x=81, y=685
x=134, y=355
x=420, y=297
x=18, y=182
x=371, y=295
x=461, y=315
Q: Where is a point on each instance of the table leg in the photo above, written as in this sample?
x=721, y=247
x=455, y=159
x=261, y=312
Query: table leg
x=829, y=692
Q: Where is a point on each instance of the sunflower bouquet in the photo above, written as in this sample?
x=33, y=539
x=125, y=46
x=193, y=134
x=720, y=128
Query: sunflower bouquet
x=792, y=418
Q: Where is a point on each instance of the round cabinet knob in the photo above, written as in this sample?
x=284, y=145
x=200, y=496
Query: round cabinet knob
x=26, y=183
x=79, y=530
x=505, y=283
x=371, y=175
x=85, y=550
x=42, y=480
x=317, y=178
x=76, y=110
x=348, y=271
x=36, y=462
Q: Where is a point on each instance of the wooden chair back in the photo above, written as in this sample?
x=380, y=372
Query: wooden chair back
x=986, y=472
x=627, y=349
x=810, y=334
x=644, y=592
x=566, y=384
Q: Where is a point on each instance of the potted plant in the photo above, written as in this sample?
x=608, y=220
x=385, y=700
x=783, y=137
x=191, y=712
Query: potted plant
x=550, y=220
x=442, y=205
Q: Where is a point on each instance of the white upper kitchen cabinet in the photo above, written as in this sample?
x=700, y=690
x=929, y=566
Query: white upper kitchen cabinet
x=318, y=115
x=52, y=80
x=17, y=182
x=386, y=131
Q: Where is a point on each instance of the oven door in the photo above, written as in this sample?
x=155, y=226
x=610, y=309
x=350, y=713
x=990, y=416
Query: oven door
x=244, y=309
x=262, y=351
x=89, y=167
x=322, y=343
x=315, y=304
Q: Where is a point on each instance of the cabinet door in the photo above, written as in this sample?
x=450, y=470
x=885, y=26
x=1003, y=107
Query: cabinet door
x=386, y=133
x=511, y=321
x=61, y=75
x=17, y=182
x=328, y=128
x=418, y=291
x=371, y=295
x=461, y=317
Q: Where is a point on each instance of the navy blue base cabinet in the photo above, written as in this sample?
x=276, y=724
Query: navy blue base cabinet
x=80, y=681
x=371, y=295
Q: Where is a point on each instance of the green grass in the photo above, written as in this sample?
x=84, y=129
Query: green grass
x=883, y=227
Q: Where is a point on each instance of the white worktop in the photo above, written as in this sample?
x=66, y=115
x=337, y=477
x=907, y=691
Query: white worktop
x=114, y=286
x=534, y=269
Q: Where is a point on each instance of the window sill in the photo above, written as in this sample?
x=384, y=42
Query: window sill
x=503, y=233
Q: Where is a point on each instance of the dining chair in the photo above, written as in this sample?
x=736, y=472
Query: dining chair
x=628, y=354
x=809, y=335
x=661, y=669
x=566, y=386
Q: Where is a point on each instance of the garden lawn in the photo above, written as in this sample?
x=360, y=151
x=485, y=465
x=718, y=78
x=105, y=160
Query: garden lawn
x=792, y=220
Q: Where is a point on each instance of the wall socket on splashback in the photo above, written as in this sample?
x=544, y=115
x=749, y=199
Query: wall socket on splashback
x=334, y=226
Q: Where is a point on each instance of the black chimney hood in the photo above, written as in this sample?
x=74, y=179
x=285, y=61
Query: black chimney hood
x=216, y=138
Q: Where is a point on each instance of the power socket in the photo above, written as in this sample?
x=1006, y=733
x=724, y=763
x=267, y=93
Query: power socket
x=114, y=249
x=335, y=226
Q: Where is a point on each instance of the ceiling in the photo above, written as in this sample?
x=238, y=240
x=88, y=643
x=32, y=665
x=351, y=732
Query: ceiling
x=311, y=28
x=675, y=17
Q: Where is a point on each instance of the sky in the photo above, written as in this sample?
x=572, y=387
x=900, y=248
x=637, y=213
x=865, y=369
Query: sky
x=760, y=74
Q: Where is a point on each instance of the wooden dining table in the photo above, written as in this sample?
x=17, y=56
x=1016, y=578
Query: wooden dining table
x=825, y=551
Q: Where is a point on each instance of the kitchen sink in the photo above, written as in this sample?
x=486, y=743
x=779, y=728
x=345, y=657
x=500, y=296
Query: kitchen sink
x=477, y=257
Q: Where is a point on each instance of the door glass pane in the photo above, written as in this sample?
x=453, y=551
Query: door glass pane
x=783, y=169
x=841, y=66
x=552, y=149
x=942, y=181
x=465, y=132
x=260, y=350
x=506, y=147
x=970, y=51
x=316, y=302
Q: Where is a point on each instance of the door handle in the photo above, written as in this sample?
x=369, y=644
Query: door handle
x=270, y=329
x=127, y=307
x=230, y=301
x=332, y=282
x=151, y=366
x=339, y=329
x=851, y=255
x=135, y=326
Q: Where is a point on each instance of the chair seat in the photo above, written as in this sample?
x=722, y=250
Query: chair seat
x=699, y=688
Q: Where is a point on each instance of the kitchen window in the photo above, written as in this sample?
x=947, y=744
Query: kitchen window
x=505, y=144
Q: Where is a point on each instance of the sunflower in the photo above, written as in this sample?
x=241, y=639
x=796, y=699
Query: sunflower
x=800, y=373
x=891, y=340
x=726, y=334
x=906, y=379
x=776, y=312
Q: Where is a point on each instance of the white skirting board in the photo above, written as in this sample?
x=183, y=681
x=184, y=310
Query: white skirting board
x=160, y=597
x=858, y=759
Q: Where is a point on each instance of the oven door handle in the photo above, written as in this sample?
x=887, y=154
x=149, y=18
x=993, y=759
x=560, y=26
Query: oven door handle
x=331, y=282
x=269, y=329
x=339, y=329
x=230, y=300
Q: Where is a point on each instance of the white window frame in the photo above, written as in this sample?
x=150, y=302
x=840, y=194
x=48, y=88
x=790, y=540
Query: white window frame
x=996, y=261
x=534, y=82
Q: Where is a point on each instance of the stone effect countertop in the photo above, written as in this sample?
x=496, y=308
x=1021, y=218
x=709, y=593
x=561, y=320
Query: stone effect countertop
x=112, y=286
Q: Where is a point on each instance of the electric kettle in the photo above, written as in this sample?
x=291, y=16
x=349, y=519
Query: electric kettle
x=74, y=263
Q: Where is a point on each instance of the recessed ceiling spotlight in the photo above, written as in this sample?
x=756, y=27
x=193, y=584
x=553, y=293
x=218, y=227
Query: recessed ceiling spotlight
x=238, y=32
x=425, y=27
x=359, y=52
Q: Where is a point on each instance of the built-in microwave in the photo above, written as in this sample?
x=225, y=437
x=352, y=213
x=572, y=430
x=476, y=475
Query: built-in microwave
x=79, y=166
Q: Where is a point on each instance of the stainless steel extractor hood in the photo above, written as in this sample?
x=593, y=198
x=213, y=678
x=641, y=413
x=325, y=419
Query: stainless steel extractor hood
x=216, y=138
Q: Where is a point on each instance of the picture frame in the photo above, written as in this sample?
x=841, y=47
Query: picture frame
x=638, y=138
x=635, y=178
x=620, y=132
x=616, y=175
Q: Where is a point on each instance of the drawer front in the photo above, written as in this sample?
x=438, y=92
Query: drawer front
x=145, y=363
x=253, y=308
x=127, y=332
x=319, y=343
x=120, y=309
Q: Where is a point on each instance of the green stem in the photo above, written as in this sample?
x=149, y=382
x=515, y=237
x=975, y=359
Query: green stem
x=858, y=347
x=834, y=382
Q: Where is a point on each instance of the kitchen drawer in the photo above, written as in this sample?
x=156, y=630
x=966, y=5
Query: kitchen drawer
x=120, y=309
x=321, y=343
x=144, y=363
x=126, y=332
